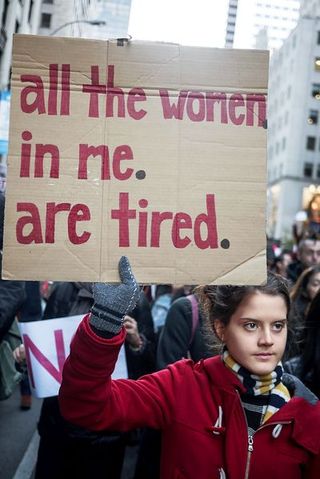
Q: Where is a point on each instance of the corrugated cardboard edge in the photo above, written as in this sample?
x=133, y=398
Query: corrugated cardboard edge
x=248, y=269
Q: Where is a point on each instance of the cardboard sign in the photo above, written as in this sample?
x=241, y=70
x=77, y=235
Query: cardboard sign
x=154, y=151
x=47, y=345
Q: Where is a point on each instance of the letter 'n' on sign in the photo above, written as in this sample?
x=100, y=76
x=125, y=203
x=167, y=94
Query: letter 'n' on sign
x=31, y=348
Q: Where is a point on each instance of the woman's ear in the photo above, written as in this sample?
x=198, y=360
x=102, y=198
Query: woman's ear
x=219, y=329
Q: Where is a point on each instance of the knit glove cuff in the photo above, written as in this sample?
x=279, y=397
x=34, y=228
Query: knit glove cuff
x=105, y=319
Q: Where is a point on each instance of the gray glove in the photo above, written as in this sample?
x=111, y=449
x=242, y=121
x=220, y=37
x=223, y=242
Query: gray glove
x=113, y=301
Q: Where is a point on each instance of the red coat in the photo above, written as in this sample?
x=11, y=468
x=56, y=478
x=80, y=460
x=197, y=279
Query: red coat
x=198, y=408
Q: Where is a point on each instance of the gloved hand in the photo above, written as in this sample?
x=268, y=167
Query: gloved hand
x=113, y=301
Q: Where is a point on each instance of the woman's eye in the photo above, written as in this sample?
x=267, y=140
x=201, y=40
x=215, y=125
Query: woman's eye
x=250, y=326
x=278, y=326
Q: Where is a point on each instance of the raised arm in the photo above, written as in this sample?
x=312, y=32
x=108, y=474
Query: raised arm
x=88, y=396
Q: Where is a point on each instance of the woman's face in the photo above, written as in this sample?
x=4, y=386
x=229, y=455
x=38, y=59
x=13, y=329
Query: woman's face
x=256, y=334
x=313, y=285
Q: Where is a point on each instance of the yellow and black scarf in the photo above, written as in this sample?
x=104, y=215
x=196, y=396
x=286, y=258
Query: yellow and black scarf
x=268, y=385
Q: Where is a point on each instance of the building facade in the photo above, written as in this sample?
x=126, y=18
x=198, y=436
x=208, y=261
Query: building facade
x=116, y=13
x=231, y=23
x=79, y=18
x=310, y=8
x=293, y=129
x=16, y=16
x=67, y=18
x=263, y=24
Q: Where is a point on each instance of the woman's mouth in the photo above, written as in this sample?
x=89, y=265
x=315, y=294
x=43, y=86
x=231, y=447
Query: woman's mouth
x=263, y=356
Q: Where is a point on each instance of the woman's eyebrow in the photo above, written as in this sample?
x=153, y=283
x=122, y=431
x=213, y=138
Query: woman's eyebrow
x=261, y=320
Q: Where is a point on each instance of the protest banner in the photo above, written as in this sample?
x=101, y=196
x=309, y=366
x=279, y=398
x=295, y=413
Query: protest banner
x=150, y=150
x=47, y=345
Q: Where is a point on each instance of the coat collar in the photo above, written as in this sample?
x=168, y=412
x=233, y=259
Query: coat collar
x=221, y=376
x=303, y=410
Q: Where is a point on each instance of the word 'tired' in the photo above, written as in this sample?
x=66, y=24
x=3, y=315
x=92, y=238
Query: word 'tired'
x=200, y=231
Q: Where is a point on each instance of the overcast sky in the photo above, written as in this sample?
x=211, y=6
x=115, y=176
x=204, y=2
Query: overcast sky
x=188, y=22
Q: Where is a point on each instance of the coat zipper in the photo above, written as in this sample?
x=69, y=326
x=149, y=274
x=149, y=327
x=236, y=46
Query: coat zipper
x=250, y=438
x=250, y=450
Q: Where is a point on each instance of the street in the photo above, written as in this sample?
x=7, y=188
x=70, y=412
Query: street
x=16, y=432
x=19, y=440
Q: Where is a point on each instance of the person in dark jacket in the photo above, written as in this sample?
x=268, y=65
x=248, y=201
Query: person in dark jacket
x=12, y=293
x=224, y=416
x=31, y=310
x=66, y=451
x=12, y=297
x=308, y=255
x=306, y=366
x=177, y=339
x=305, y=289
x=302, y=293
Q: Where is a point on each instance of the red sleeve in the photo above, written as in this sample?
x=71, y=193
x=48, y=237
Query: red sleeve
x=313, y=470
x=89, y=398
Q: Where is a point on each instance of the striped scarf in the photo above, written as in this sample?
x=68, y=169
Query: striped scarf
x=268, y=384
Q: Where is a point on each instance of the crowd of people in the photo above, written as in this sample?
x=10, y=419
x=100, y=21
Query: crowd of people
x=179, y=415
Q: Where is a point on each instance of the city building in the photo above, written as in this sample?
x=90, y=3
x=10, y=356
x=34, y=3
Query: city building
x=263, y=24
x=16, y=16
x=67, y=18
x=99, y=19
x=310, y=8
x=116, y=13
x=293, y=128
x=231, y=23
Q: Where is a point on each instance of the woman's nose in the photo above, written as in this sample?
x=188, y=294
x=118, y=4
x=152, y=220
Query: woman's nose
x=266, y=337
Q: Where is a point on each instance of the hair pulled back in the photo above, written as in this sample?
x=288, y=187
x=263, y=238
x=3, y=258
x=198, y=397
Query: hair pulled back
x=221, y=302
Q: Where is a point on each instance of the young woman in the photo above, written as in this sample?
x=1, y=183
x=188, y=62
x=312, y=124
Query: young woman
x=230, y=416
x=304, y=290
x=307, y=365
x=301, y=295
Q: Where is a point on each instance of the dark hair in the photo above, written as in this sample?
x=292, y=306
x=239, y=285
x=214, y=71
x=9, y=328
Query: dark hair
x=221, y=302
x=300, y=288
x=310, y=358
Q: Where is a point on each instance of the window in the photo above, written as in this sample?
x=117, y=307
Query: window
x=45, y=20
x=311, y=143
x=283, y=143
x=289, y=91
x=316, y=91
x=318, y=171
x=308, y=170
x=286, y=118
x=271, y=152
x=48, y=1
x=317, y=64
x=318, y=38
x=313, y=117
x=280, y=169
x=294, y=41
